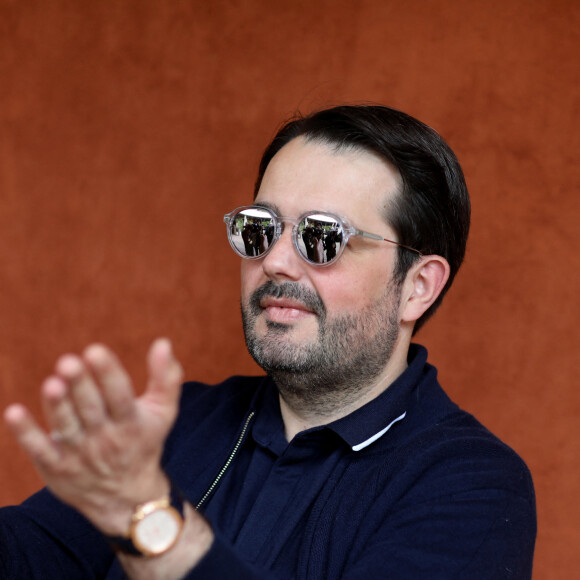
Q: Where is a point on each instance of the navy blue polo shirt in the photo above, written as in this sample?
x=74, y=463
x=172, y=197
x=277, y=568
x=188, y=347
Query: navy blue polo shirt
x=408, y=486
x=267, y=495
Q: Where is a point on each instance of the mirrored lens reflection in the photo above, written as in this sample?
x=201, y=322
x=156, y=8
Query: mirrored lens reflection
x=319, y=238
x=252, y=231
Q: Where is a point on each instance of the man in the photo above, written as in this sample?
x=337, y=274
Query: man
x=347, y=460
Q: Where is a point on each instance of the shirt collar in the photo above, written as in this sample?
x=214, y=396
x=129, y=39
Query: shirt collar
x=371, y=421
x=360, y=428
x=268, y=429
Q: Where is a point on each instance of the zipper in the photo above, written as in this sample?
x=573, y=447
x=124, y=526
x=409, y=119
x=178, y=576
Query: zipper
x=235, y=450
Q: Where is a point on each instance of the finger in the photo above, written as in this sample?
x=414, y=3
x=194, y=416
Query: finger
x=60, y=412
x=116, y=387
x=165, y=374
x=86, y=396
x=31, y=437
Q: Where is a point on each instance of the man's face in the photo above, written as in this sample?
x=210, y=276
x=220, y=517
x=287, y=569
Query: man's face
x=325, y=325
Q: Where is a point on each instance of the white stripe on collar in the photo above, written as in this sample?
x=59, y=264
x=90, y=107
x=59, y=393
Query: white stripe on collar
x=377, y=435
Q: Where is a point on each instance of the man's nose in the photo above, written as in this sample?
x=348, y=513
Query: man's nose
x=283, y=262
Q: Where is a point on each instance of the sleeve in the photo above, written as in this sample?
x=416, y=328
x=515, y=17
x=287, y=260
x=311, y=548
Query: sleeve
x=44, y=538
x=466, y=511
x=223, y=562
x=479, y=535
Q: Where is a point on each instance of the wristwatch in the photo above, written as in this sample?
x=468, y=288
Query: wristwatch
x=155, y=527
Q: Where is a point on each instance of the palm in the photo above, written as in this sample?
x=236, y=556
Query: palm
x=103, y=454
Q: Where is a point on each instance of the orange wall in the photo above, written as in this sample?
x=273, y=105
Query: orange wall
x=127, y=129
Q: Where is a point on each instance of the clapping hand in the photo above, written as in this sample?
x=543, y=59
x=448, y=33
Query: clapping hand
x=102, y=449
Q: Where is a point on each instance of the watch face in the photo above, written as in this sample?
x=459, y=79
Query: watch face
x=157, y=531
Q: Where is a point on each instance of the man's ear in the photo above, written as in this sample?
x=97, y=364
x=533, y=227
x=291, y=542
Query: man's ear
x=423, y=284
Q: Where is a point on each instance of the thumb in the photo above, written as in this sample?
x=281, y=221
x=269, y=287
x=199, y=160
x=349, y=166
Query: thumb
x=165, y=374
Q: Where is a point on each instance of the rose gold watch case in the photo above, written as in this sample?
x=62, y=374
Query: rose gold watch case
x=155, y=527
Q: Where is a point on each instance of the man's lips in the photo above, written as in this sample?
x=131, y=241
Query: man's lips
x=286, y=302
x=284, y=309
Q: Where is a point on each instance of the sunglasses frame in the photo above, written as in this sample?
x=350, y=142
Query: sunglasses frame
x=348, y=230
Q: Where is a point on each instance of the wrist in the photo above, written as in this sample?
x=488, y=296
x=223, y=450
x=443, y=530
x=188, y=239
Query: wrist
x=155, y=526
x=194, y=543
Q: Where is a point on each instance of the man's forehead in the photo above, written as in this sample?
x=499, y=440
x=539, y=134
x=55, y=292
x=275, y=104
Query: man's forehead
x=314, y=175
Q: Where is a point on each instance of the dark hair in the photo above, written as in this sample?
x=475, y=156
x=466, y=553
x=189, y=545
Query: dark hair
x=431, y=212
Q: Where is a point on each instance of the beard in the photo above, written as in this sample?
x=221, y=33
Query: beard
x=349, y=352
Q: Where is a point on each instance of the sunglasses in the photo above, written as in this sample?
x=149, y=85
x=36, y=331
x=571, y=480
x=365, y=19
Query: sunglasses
x=319, y=237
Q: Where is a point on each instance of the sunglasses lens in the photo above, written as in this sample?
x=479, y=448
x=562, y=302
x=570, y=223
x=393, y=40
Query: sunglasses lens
x=319, y=238
x=251, y=232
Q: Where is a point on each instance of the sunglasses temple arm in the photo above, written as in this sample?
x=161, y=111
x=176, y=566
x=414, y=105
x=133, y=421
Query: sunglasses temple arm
x=368, y=235
x=377, y=237
x=404, y=246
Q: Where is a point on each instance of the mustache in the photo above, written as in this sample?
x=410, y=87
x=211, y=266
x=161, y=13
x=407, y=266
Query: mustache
x=291, y=290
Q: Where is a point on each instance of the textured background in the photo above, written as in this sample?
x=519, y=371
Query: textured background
x=121, y=122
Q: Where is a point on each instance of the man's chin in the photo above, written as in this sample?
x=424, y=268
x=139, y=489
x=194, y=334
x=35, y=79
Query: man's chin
x=280, y=350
